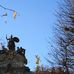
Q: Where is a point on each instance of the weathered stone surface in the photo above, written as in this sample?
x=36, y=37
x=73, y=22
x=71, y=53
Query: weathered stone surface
x=13, y=58
x=14, y=71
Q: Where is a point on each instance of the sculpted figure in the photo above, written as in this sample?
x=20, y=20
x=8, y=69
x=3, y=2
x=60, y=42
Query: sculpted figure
x=21, y=51
x=11, y=42
x=3, y=49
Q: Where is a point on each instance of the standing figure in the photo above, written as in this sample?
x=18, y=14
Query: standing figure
x=11, y=43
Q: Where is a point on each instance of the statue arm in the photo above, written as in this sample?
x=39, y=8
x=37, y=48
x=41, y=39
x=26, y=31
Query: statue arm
x=7, y=38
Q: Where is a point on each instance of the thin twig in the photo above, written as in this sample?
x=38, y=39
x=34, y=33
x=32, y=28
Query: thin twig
x=6, y=8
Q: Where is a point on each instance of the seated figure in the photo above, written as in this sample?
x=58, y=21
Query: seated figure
x=21, y=51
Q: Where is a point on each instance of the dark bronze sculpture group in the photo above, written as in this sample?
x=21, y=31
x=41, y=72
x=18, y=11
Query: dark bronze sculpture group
x=13, y=60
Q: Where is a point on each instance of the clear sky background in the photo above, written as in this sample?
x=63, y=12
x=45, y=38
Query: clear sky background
x=33, y=25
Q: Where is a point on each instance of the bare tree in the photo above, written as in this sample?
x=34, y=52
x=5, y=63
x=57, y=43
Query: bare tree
x=65, y=26
x=64, y=52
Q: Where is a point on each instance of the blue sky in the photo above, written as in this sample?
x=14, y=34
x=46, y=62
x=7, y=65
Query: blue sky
x=33, y=25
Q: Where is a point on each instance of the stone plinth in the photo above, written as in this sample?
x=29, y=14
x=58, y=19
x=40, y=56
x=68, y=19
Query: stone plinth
x=13, y=61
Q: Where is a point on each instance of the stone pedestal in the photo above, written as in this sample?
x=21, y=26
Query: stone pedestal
x=13, y=61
